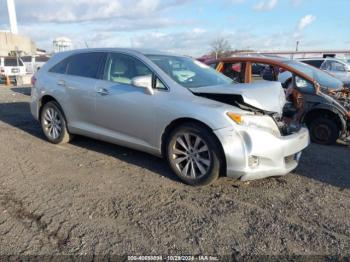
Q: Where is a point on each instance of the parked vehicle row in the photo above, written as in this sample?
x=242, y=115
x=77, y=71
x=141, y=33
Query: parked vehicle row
x=314, y=96
x=171, y=106
x=336, y=67
x=12, y=66
x=34, y=63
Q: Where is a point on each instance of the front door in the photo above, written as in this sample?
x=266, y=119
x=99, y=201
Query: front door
x=123, y=111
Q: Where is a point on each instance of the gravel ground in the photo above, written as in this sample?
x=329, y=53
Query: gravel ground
x=94, y=198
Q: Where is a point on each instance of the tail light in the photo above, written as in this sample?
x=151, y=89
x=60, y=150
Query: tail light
x=2, y=70
x=33, y=81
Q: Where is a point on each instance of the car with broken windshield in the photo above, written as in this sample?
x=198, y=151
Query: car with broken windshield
x=170, y=106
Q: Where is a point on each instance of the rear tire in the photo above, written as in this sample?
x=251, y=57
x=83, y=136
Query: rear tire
x=324, y=131
x=53, y=124
x=194, y=155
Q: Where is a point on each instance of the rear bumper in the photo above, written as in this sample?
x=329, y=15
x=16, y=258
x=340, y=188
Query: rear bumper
x=34, y=104
x=253, y=154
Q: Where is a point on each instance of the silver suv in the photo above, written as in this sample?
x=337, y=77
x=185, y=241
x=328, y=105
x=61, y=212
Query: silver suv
x=170, y=106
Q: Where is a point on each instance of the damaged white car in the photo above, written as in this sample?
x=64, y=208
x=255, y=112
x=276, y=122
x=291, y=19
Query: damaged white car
x=170, y=106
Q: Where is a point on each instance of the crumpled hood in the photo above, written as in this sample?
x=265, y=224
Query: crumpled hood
x=265, y=95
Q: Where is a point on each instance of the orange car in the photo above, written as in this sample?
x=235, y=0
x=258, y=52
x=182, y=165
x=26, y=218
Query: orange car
x=311, y=92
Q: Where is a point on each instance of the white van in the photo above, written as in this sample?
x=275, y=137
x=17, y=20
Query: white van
x=12, y=66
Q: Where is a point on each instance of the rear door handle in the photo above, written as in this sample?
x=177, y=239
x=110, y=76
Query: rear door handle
x=103, y=91
x=61, y=83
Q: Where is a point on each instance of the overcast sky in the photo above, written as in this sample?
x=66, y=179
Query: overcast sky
x=185, y=26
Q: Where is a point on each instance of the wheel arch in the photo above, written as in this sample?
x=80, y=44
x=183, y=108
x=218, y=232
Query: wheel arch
x=49, y=98
x=324, y=112
x=44, y=100
x=185, y=120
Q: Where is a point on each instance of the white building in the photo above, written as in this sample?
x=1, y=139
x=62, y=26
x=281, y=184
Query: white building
x=61, y=44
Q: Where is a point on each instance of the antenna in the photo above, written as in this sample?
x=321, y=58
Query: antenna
x=12, y=15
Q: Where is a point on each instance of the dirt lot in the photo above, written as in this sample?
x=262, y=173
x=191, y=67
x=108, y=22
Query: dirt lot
x=94, y=198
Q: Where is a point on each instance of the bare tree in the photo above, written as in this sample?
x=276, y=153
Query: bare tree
x=220, y=47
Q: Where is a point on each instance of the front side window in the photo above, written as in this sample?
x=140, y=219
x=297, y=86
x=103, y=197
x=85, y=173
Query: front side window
x=122, y=69
x=188, y=72
x=337, y=67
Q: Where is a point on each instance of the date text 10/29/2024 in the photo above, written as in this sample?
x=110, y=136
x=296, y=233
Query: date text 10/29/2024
x=173, y=258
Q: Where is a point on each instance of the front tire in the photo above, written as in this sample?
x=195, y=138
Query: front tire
x=194, y=155
x=324, y=131
x=53, y=124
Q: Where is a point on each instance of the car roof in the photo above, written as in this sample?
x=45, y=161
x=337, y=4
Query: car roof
x=312, y=58
x=142, y=51
x=258, y=59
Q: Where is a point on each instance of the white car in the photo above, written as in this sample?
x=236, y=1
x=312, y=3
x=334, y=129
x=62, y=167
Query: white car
x=34, y=63
x=12, y=66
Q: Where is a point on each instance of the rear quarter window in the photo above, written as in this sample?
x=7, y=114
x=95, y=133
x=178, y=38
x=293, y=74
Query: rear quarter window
x=60, y=68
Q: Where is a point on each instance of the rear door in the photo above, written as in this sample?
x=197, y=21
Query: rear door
x=77, y=75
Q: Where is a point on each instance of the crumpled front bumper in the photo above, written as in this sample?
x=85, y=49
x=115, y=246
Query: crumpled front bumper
x=273, y=156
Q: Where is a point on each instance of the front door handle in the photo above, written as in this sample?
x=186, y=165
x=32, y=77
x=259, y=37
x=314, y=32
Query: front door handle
x=61, y=83
x=103, y=91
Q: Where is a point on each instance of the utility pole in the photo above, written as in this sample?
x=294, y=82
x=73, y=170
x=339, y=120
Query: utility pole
x=297, y=47
x=11, y=8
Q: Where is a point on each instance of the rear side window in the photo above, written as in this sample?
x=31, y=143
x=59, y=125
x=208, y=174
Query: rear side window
x=85, y=65
x=13, y=62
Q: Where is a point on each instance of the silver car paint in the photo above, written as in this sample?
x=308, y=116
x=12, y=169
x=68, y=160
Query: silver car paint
x=130, y=117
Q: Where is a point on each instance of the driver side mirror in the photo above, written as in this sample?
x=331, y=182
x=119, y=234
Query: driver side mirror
x=144, y=82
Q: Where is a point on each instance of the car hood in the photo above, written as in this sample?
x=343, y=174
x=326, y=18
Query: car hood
x=265, y=95
x=342, y=76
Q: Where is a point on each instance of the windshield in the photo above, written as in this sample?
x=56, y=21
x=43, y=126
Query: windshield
x=324, y=79
x=188, y=72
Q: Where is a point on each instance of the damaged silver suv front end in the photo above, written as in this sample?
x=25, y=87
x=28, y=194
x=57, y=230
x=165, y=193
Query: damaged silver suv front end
x=259, y=144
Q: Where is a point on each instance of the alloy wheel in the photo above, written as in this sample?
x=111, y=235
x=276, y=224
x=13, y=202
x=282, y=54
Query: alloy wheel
x=191, y=155
x=52, y=123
